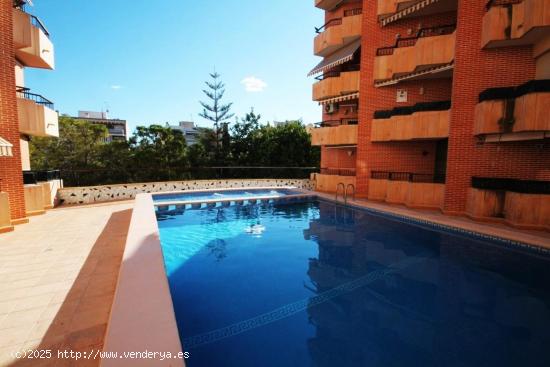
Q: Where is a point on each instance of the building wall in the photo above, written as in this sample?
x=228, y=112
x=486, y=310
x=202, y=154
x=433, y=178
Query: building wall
x=10, y=167
x=475, y=71
x=339, y=11
x=418, y=157
x=338, y=158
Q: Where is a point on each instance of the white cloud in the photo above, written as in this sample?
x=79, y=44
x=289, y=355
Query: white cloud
x=116, y=87
x=253, y=84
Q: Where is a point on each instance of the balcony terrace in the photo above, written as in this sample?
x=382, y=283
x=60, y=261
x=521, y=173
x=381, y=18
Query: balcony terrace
x=515, y=23
x=514, y=113
x=336, y=84
x=424, y=121
x=419, y=56
x=33, y=47
x=520, y=203
x=37, y=116
x=334, y=134
x=338, y=32
x=390, y=11
x=412, y=189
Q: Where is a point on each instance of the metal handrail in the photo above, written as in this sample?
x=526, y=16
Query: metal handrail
x=338, y=21
x=343, y=193
x=408, y=176
x=411, y=41
x=330, y=23
x=23, y=92
x=346, y=192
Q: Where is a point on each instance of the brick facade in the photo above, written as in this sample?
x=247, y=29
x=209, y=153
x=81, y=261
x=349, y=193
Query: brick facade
x=10, y=167
x=475, y=69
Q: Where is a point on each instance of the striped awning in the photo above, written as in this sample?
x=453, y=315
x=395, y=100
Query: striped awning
x=416, y=75
x=339, y=57
x=346, y=97
x=5, y=148
x=407, y=11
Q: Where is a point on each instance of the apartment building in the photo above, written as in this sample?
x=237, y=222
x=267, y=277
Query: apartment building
x=188, y=129
x=117, y=128
x=439, y=104
x=24, y=113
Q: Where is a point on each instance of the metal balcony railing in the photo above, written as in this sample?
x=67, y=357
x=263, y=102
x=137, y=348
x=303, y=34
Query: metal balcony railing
x=411, y=41
x=338, y=21
x=23, y=92
x=334, y=123
x=338, y=171
x=33, y=177
x=408, y=176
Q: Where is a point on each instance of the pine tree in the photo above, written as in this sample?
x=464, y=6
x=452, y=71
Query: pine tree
x=218, y=113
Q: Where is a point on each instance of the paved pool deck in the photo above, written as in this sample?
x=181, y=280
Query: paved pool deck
x=58, y=275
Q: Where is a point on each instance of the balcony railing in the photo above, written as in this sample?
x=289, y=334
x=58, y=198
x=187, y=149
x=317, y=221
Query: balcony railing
x=31, y=39
x=335, y=123
x=423, y=54
x=522, y=109
x=33, y=177
x=337, y=33
x=515, y=23
x=492, y=3
x=416, y=190
x=411, y=41
x=510, y=184
x=338, y=171
x=422, y=121
x=408, y=176
x=327, y=25
x=345, y=83
x=342, y=135
x=521, y=203
x=23, y=92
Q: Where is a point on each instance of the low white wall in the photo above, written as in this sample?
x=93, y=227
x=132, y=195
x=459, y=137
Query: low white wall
x=97, y=194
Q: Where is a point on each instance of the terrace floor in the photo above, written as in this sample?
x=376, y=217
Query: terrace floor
x=58, y=275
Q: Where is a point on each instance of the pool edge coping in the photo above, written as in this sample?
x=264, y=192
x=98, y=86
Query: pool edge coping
x=142, y=315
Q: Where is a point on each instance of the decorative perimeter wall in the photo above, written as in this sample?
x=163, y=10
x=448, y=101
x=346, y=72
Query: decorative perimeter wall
x=97, y=194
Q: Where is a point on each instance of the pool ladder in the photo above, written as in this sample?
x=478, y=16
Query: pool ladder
x=344, y=192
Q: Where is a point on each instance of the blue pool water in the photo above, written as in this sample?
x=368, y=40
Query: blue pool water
x=222, y=194
x=314, y=284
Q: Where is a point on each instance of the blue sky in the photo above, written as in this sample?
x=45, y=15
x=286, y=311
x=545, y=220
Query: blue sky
x=146, y=60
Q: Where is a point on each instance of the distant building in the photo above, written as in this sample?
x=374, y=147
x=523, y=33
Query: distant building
x=117, y=128
x=189, y=131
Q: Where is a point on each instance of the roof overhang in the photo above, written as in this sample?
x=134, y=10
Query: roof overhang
x=436, y=72
x=346, y=97
x=339, y=57
x=5, y=148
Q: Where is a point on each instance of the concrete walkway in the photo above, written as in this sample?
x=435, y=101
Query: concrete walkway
x=58, y=275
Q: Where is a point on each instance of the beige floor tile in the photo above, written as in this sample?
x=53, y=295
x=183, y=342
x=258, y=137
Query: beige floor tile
x=20, y=318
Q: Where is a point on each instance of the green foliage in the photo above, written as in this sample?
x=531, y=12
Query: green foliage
x=220, y=114
x=78, y=147
x=158, y=153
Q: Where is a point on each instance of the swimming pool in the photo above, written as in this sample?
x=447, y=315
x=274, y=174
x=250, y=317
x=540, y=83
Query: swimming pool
x=213, y=195
x=316, y=284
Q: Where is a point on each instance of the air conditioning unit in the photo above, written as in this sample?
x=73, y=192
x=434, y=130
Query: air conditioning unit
x=331, y=108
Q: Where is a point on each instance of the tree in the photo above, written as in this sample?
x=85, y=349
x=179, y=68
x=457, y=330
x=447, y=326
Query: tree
x=160, y=152
x=78, y=146
x=242, y=145
x=218, y=113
